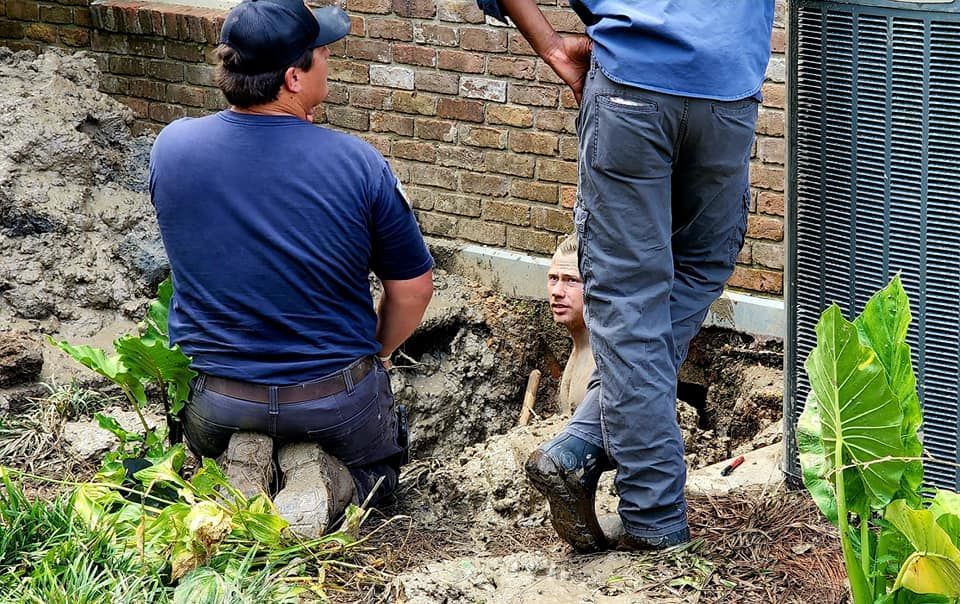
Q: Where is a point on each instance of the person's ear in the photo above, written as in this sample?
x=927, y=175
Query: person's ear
x=291, y=79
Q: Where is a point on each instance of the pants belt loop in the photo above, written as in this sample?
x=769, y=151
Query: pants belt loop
x=348, y=378
x=273, y=409
x=200, y=383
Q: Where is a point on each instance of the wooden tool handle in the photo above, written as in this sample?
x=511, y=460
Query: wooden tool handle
x=529, y=397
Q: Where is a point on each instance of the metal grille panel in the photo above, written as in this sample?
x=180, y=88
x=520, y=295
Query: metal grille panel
x=875, y=190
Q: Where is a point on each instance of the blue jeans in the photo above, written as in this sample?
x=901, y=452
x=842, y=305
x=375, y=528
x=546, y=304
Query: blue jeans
x=661, y=216
x=358, y=426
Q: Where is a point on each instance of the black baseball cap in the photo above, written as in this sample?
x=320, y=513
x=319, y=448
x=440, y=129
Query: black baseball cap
x=269, y=35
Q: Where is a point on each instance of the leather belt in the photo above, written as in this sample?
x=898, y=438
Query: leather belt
x=297, y=393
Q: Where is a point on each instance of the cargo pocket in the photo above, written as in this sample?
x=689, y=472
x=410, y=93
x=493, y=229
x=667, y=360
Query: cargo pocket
x=739, y=231
x=629, y=138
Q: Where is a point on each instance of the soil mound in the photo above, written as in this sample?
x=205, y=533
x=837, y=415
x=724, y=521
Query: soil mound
x=79, y=251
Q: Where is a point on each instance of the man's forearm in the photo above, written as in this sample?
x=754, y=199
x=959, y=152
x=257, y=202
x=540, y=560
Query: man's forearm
x=531, y=22
x=398, y=317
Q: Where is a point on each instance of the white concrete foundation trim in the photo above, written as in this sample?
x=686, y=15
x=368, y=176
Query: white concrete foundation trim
x=524, y=276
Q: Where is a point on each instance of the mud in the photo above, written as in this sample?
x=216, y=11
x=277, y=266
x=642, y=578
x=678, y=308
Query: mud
x=79, y=251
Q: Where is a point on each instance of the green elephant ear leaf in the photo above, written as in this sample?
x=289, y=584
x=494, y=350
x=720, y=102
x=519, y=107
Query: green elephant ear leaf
x=816, y=471
x=153, y=361
x=883, y=327
x=111, y=367
x=934, y=568
x=860, y=416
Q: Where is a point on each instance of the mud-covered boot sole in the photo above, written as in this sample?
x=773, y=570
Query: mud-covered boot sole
x=571, y=506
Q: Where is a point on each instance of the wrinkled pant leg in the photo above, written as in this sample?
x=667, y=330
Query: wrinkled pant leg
x=585, y=423
x=623, y=217
x=711, y=198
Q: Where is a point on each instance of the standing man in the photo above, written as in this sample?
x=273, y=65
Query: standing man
x=565, y=290
x=669, y=92
x=272, y=226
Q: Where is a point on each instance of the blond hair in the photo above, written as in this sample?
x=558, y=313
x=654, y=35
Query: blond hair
x=567, y=247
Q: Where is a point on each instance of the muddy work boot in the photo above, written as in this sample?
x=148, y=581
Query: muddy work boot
x=623, y=541
x=248, y=463
x=317, y=489
x=566, y=470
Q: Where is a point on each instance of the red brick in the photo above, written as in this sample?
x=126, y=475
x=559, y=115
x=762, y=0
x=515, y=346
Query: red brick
x=169, y=71
x=510, y=163
x=75, y=36
x=433, y=176
x=56, y=14
x=568, y=196
x=146, y=47
x=459, y=157
x=482, y=232
x=456, y=60
x=493, y=138
x=534, y=142
x=10, y=30
x=770, y=122
x=415, y=102
x=521, y=117
x=765, y=176
x=184, y=51
x=381, y=7
x=389, y=122
x=201, y=75
x=436, y=35
x=370, y=98
x=82, y=17
x=348, y=117
x=358, y=26
x=437, y=224
x=484, y=184
x=423, y=199
x=483, y=39
x=127, y=66
x=769, y=202
x=23, y=10
x=529, y=240
x=459, y=11
x=546, y=74
x=567, y=99
x=512, y=67
x=415, y=55
x=557, y=121
x=564, y=21
x=379, y=142
x=771, y=150
x=538, y=96
x=41, y=32
x=778, y=40
x=550, y=219
x=555, y=170
x=147, y=89
x=140, y=107
x=166, y=113
x=415, y=150
x=339, y=94
x=569, y=147
x=534, y=191
x=458, y=204
x=758, y=280
x=436, y=130
x=511, y=213
x=763, y=227
x=423, y=9
x=460, y=109
x=768, y=255
x=774, y=95
x=368, y=50
x=390, y=29
x=348, y=71
x=185, y=95
x=107, y=42
x=518, y=45
x=432, y=81
x=745, y=256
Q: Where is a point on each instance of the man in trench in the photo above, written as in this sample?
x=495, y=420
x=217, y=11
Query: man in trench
x=669, y=93
x=272, y=226
x=565, y=292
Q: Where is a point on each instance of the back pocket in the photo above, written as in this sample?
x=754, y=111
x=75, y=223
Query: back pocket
x=630, y=140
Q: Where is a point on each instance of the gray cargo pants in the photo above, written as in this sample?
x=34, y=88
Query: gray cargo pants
x=661, y=216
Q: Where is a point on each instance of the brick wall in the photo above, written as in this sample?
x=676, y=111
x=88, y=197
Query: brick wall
x=479, y=129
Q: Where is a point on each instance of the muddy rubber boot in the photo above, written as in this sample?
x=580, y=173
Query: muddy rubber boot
x=248, y=463
x=317, y=489
x=566, y=470
x=612, y=527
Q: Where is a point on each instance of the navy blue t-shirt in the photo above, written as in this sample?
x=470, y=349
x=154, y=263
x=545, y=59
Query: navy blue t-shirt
x=272, y=226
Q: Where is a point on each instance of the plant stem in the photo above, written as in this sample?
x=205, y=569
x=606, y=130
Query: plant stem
x=858, y=581
x=865, y=557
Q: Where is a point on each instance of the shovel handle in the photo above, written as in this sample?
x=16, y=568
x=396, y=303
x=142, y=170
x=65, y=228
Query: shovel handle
x=529, y=397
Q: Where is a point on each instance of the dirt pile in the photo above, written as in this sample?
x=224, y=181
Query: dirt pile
x=79, y=252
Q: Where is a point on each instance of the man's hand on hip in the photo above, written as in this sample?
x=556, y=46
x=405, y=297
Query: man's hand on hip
x=570, y=59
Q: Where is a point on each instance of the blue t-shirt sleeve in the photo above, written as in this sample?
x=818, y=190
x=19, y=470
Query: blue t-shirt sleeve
x=399, y=251
x=492, y=8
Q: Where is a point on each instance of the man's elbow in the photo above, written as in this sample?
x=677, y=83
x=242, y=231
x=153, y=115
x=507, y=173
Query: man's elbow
x=424, y=289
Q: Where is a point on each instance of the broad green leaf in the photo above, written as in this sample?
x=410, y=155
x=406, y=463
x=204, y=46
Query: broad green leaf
x=156, y=321
x=165, y=469
x=209, y=478
x=158, y=363
x=860, y=415
x=935, y=565
x=111, y=367
x=883, y=327
x=816, y=469
x=204, y=586
x=945, y=507
x=113, y=427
